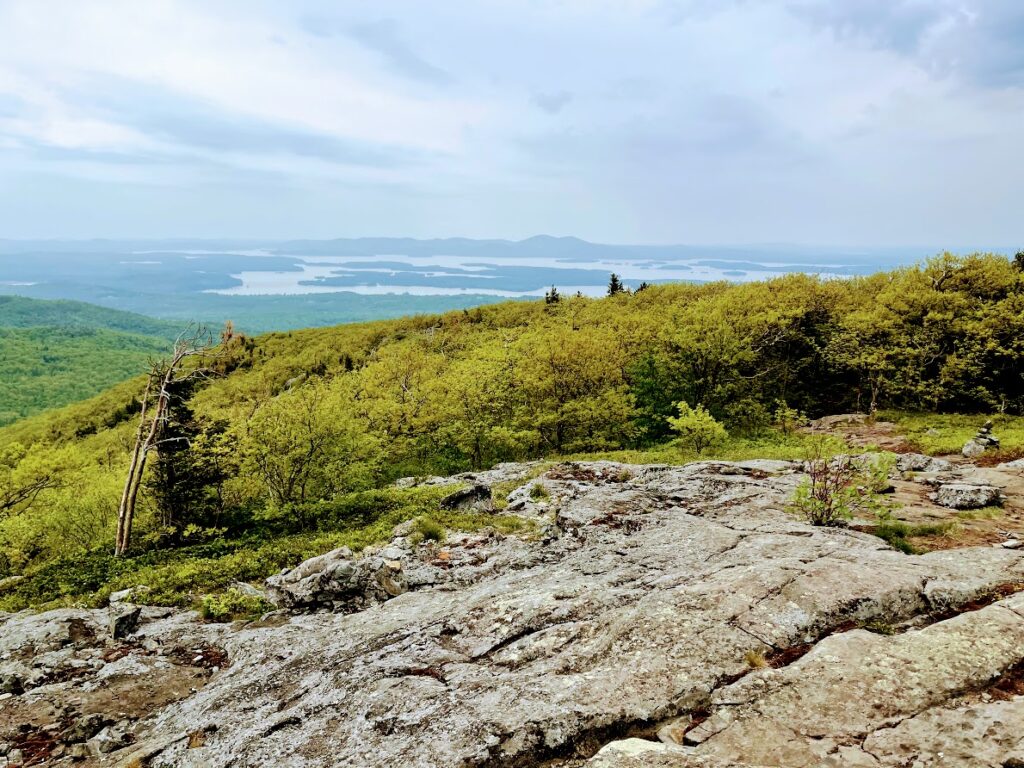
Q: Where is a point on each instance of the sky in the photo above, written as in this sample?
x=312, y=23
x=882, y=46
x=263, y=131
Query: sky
x=831, y=122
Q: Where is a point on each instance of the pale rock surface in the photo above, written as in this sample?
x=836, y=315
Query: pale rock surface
x=639, y=605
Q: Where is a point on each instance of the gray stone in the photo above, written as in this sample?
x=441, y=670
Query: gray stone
x=642, y=612
x=110, y=739
x=85, y=728
x=967, y=496
x=11, y=682
x=638, y=613
x=918, y=462
x=125, y=595
x=124, y=618
x=476, y=497
x=244, y=588
x=337, y=580
x=826, y=423
x=974, y=448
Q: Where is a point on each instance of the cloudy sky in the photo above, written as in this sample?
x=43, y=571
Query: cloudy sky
x=845, y=122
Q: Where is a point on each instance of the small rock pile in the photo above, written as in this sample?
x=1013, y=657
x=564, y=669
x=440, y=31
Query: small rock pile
x=981, y=442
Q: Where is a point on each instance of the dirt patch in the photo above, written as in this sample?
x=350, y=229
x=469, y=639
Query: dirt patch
x=992, y=458
x=861, y=432
x=1009, y=685
x=204, y=657
x=932, y=527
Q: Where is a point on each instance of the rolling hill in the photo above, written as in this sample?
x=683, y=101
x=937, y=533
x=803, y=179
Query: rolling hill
x=57, y=352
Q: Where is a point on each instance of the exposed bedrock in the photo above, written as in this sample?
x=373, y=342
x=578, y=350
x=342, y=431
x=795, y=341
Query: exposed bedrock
x=650, y=599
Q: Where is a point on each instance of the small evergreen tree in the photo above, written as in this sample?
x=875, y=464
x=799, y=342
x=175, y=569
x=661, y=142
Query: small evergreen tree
x=552, y=297
x=615, y=285
x=643, y=286
x=1018, y=261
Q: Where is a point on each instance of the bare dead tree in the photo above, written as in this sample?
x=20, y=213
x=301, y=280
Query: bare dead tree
x=164, y=377
x=22, y=496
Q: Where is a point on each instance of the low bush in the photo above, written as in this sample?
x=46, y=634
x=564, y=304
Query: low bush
x=937, y=434
x=840, y=487
x=428, y=529
x=232, y=605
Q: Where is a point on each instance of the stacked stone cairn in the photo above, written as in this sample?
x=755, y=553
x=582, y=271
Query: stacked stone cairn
x=981, y=442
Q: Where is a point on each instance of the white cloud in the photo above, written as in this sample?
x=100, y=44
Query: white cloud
x=644, y=120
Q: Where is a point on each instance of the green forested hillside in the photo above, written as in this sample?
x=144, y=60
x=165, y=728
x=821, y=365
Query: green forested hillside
x=20, y=312
x=56, y=352
x=297, y=439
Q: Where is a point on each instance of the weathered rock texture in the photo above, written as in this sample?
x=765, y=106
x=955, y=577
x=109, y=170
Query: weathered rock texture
x=649, y=601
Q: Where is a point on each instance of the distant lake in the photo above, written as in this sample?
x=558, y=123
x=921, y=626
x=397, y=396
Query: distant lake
x=452, y=275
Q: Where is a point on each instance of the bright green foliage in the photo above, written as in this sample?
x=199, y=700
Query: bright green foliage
x=181, y=575
x=292, y=446
x=897, y=533
x=46, y=367
x=538, y=492
x=57, y=352
x=945, y=433
x=21, y=312
x=304, y=445
x=231, y=605
x=786, y=419
x=697, y=429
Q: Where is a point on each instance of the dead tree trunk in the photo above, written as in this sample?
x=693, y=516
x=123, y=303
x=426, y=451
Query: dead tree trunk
x=162, y=376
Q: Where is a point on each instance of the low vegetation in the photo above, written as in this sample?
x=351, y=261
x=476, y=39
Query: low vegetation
x=837, y=488
x=945, y=433
x=898, y=534
x=289, y=448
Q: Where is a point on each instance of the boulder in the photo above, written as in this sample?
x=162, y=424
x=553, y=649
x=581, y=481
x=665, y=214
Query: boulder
x=126, y=595
x=974, y=448
x=826, y=423
x=12, y=682
x=918, y=462
x=967, y=496
x=110, y=739
x=338, y=580
x=477, y=497
x=248, y=590
x=124, y=618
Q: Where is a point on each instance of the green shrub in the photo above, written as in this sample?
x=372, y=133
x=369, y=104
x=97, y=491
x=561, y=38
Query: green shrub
x=837, y=488
x=232, y=605
x=538, y=492
x=697, y=429
x=786, y=419
x=429, y=529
